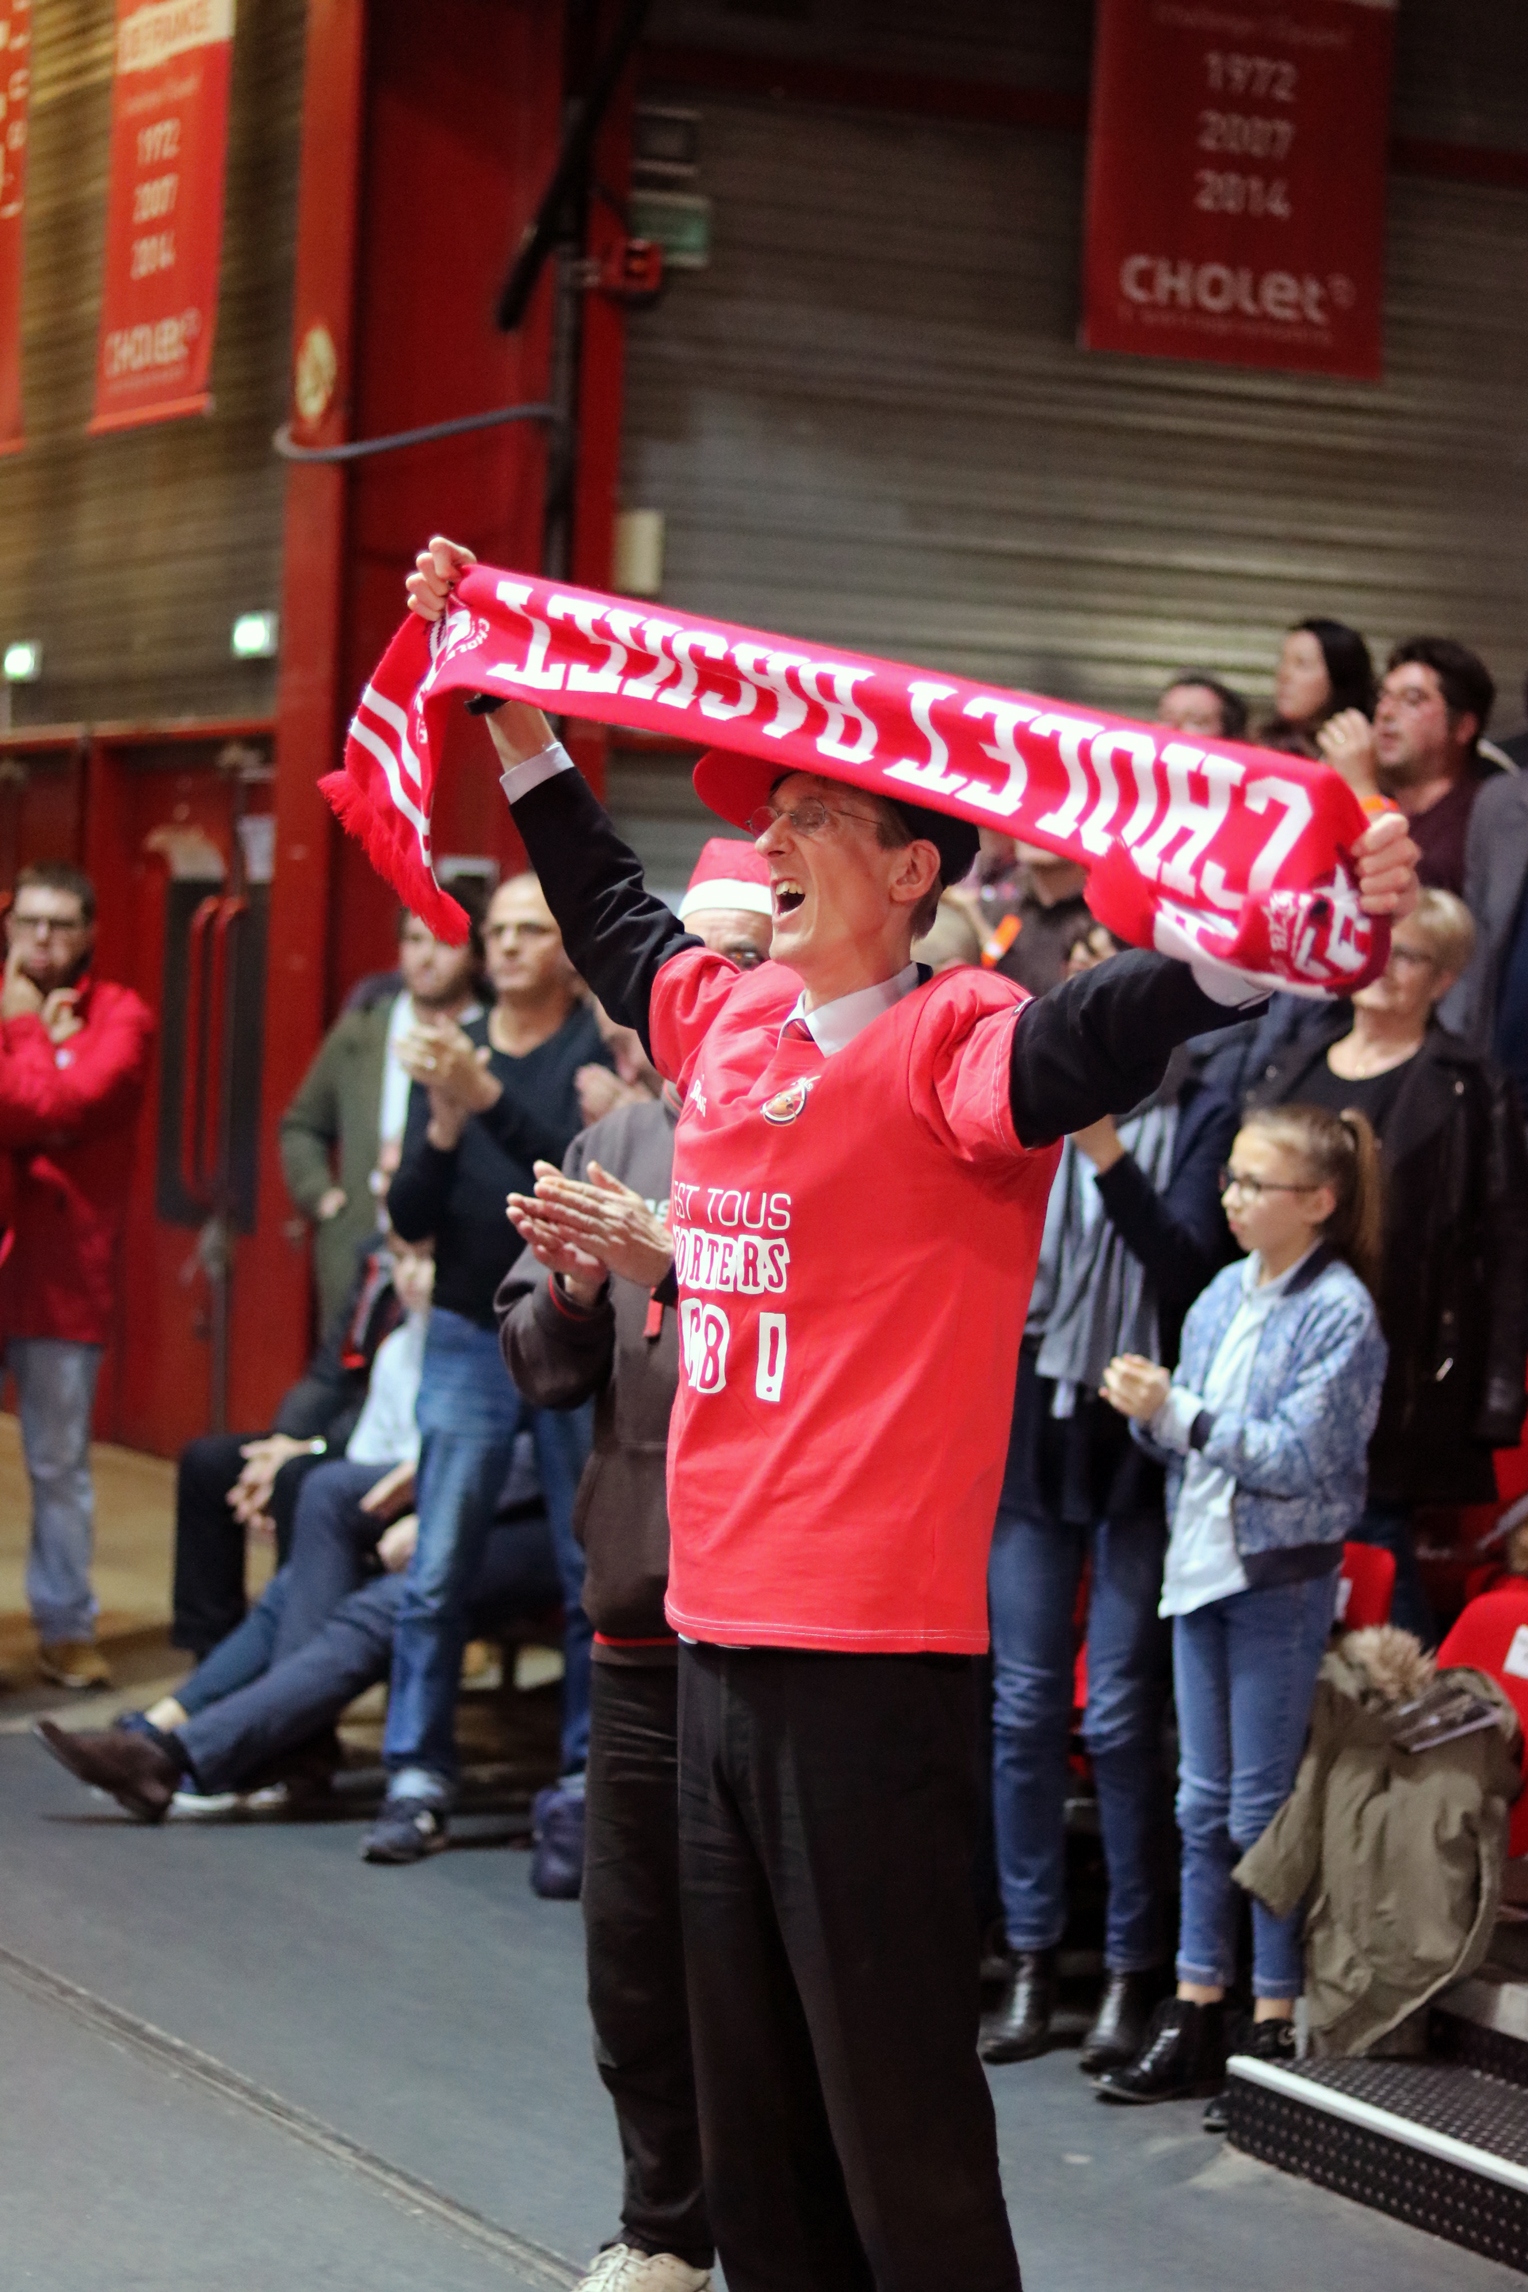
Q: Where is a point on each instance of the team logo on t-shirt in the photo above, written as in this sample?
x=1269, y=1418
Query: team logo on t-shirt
x=788, y=1103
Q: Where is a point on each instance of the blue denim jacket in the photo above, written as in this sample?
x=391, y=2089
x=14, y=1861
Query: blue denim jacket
x=1299, y=1451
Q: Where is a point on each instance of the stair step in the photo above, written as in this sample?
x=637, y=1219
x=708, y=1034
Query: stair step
x=1440, y=2145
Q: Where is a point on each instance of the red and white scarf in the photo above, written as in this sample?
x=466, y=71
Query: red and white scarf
x=1200, y=848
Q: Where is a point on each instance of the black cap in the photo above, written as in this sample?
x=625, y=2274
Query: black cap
x=956, y=841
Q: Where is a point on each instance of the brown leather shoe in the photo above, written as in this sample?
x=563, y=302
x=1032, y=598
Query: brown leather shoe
x=74, y=1663
x=139, y=1773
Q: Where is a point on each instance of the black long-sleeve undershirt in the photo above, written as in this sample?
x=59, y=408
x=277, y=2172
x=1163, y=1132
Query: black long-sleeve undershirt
x=457, y=1193
x=1094, y=1045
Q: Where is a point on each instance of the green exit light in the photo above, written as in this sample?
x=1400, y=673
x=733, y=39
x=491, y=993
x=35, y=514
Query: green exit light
x=254, y=637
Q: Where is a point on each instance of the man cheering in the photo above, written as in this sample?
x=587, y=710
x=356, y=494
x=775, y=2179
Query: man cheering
x=860, y=1175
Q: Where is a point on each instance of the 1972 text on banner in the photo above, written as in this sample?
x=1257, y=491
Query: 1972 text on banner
x=1236, y=182
x=15, y=87
x=164, y=215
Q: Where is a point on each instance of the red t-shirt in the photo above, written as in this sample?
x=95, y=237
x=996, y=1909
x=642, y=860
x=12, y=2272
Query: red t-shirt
x=855, y=1239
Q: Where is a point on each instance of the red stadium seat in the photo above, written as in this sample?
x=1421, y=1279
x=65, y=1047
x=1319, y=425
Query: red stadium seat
x=1365, y=1586
x=1492, y=1636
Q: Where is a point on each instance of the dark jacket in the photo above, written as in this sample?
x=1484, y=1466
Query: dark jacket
x=1085, y=1467
x=560, y=1356
x=1495, y=872
x=1454, y=1290
x=329, y=1396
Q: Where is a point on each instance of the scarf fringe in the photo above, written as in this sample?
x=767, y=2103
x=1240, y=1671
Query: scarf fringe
x=388, y=844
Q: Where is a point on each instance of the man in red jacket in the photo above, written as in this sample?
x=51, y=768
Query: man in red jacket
x=74, y=1055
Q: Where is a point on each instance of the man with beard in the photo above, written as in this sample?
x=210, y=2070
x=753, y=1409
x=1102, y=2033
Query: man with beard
x=74, y=1054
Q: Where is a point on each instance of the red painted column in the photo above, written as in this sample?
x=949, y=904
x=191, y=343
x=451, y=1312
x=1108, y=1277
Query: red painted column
x=427, y=140
x=271, y=1280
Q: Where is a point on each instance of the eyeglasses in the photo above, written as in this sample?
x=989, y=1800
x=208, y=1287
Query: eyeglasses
x=38, y=924
x=1413, y=958
x=808, y=818
x=1255, y=1188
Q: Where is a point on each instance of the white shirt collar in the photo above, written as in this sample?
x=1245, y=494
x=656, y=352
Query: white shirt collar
x=833, y=1026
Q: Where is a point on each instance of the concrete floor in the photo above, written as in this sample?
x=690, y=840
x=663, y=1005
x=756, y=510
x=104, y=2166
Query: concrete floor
x=359, y=2032
x=434, y=2019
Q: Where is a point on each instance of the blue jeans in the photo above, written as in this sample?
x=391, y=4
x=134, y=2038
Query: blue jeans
x=247, y=1705
x=469, y=1415
x=55, y=1394
x=1032, y=1581
x=1244, y=1672
x=332, y=1544
x=244, y=1655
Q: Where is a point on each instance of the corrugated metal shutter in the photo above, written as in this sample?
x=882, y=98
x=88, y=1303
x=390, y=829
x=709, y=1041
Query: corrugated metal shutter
x=1461, y=66
x=868, y=420
x=129, y=556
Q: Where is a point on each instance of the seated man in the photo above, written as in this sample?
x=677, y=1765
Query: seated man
x=228, y=1484
x=244, y=1709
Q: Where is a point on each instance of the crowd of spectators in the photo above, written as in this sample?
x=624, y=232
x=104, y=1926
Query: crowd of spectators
x=1281, y=1305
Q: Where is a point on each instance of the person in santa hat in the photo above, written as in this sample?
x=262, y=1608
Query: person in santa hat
x=861, y=1168
x=578, y=1322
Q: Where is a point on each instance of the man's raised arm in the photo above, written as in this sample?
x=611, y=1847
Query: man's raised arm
x=616, y=933
x=1098, y=1044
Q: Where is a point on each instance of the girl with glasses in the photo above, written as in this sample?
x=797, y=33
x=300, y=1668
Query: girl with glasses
x=1264, y=1428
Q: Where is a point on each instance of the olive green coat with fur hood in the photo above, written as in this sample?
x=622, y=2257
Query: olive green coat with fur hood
x=1399, y=1852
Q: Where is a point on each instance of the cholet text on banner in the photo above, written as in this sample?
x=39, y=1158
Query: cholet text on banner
x=1209, y=850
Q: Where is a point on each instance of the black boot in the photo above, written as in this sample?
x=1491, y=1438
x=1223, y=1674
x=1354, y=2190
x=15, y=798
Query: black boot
x=1265, y=2041
x=1119, y=2026
x=1184, y=2054
x=1020, y=2028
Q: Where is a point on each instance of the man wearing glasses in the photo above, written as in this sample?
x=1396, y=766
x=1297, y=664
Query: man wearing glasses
x=74, y=1054
x=860, y=1176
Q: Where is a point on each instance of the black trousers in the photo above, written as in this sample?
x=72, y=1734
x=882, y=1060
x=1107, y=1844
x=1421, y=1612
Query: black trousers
x=636, y=1955
x=208, y=1596
x=828, y=1818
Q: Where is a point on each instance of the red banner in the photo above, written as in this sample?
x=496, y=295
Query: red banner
x=15, y=84
x=1236, y=182
x=164, y=210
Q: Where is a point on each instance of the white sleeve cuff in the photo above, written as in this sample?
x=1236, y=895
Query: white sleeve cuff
x=519, y=780
x=1234, y=990
x=1175, y=1419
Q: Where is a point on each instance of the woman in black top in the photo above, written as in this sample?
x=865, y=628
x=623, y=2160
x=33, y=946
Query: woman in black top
x=1454, y=1292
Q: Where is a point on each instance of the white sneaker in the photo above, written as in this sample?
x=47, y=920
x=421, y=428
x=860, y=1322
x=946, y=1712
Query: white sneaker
x=620, y=2268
